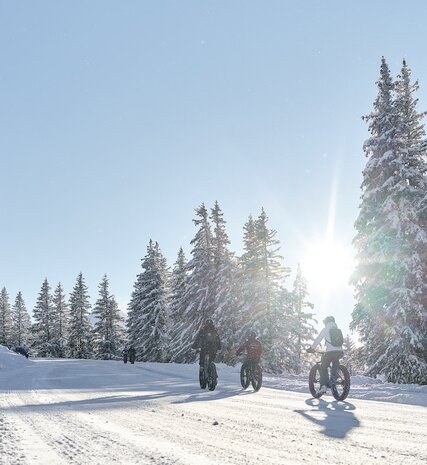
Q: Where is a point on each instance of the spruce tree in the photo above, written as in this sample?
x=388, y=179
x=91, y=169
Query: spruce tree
x=109, y=336
x=44, y=322
x=80, y=341
x=350, y=359
x=198, y=301
x=303, y=331
x=391, y=241
x=61, y=321
x=21, y=323
x=179, y=282
x=264, y=302
x=5, y=319
x=375, y=241
x=223, y=287
x=404, y=360
x=148, y=309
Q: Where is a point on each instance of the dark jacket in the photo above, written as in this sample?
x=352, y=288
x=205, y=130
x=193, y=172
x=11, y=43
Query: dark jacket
x=207, y=340
x=253, y=349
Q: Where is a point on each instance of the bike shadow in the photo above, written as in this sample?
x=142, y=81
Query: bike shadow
x=336, y=418
x=206, y=395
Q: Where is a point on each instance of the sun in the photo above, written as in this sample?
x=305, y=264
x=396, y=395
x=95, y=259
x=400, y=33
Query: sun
x=327, y=266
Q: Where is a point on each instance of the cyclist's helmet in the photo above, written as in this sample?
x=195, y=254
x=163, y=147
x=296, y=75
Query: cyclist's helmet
x=329, y=319
x=209, y=323
x=252, y=335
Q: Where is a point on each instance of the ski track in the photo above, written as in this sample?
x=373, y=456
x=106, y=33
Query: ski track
x=89, y=412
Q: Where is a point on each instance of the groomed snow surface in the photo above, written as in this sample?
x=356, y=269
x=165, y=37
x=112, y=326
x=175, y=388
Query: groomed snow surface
x=101, y=412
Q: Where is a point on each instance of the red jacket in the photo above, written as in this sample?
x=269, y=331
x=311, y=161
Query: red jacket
x=253, y=350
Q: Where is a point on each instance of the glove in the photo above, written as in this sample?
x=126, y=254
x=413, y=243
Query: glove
x=310, y=350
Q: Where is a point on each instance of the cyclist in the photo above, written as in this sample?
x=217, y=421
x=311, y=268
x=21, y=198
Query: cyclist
x=332, y=354
x=132, y=354
x=253, y=348
x=208, y=341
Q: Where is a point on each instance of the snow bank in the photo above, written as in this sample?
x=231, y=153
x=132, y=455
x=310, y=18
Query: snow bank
x=362, y=387
x=9, y=359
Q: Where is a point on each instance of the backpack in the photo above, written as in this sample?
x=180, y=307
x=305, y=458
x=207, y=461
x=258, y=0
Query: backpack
x=336, y=337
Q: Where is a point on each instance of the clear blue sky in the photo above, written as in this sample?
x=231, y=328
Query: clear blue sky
x=118, y=118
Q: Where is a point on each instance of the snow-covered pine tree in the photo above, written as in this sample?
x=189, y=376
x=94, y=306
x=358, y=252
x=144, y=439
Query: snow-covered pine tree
x=285, y=345
x=5, y=319
x=263, y=304
x=375, y=241
x=61, y=321
x=246, y=276
x=21, y=323
x=197, y=303
x=178, y=285
x=109, y=334
x=44, y=322
x=224, y=287
x=404, y=360
x=148, y=308
x=390, y=280
x=350, y=359
x=303, y=331
x=80, y=341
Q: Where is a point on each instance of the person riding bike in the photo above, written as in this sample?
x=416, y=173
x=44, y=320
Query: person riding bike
x=208, y=341
x=332, y=354
x=253, y=348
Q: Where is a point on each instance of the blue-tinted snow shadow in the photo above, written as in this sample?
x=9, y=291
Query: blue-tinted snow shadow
x=336, y=418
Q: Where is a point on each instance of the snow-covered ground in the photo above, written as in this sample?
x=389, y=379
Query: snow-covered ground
x=98, y=412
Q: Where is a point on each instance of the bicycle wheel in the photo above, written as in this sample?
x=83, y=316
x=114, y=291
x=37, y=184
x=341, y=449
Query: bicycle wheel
x=340, y=387
x=202, y=380
x=212, y=377
x=244, y=377
x=314, y=381
x=257, y=378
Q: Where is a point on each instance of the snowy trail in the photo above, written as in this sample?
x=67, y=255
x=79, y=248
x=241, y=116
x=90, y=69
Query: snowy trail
x=95, y=412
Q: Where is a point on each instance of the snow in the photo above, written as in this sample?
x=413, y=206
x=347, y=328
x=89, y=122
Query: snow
x=10, y=359
x=97, y=412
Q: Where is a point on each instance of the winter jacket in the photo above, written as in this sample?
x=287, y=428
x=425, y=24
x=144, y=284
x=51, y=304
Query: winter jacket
x=207, y=340
x=324, y=334
x=253, y=350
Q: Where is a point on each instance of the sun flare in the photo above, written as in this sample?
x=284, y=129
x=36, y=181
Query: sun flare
x=327, y=266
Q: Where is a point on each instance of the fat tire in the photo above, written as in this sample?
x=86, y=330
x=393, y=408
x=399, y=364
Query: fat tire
x=244, y=377
x=257, y=378
x=346, y=388
x=212, y=378
x=312, y=381
x=202, y=380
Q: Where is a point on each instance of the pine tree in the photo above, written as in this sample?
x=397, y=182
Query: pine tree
x=264, y=303
x=223, y=287
x=373, y=242
x=109, y=336
x=404, y=360
x=43, y=327
x=21, y=323
x=61, y=321
x=198, y=301
x=5, y=319
x=350, y=359
x=80, y=341
x=148, y=309
x=179, y=282
x=391, y=239
x=303, y=330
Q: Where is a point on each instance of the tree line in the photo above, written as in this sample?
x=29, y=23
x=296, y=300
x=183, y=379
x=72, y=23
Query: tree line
x=169, y=305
